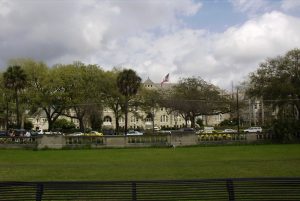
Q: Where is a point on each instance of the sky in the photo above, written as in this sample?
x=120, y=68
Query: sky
x=221, y=41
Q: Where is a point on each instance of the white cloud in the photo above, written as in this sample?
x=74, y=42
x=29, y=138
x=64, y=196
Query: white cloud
x=148, y=36
x=52, y=30
x=4, y=7
x=290, y=5
x=219, y=58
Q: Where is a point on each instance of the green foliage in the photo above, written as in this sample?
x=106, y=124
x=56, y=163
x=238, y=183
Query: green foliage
x=83, y=86
x=63, y=124
x=193, y=97
x=277, y=81
x=128, y=83
x=286, y=130
x=28, y=125
x=231, y=122
x=200, y=122
x=15, y=79
x=96, y=120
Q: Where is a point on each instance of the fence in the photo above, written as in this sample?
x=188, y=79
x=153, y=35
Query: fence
x=206, y=189
x=222, y=137
x=174, y=139
x=17, y=140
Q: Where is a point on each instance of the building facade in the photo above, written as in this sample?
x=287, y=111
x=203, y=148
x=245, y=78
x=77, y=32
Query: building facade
x=138, y=119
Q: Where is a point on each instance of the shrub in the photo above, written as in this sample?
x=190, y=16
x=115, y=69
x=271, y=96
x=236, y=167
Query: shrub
x=286, y=130
x=63, y=124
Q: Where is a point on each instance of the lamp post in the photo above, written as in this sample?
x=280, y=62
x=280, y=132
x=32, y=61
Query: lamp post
x=152, y=116
x=238, y=109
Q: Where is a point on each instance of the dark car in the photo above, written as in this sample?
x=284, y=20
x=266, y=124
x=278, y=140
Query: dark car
x=187, y=129
x=3, y=133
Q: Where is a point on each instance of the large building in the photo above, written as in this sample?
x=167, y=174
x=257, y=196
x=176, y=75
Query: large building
x=138, y=119
x=163, y=118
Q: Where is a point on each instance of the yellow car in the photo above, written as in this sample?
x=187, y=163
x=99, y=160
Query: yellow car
x=94, y=133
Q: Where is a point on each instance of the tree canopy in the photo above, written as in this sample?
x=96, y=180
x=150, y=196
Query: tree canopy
x=128, y=83
x=192, y=97
x=15, y=79
x=277, y=81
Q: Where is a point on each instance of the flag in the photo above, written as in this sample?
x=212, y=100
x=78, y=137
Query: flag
x=166, y=79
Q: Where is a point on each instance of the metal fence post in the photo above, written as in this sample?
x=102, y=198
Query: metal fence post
x=230, y=189
x=39, y=191
x=133, y=190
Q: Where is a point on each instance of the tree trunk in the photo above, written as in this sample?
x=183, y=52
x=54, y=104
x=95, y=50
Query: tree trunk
x=81, y=124
x=193, y=121
x=51, y=118
x=117, y=118
x=50, y=124
x=126, y=114
x=80, y=115
x=7, y=110
x=17, y=109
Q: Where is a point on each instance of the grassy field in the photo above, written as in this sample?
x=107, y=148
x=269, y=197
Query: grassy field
x=151, y=163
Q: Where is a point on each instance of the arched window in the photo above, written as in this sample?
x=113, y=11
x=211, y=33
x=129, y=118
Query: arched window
x=164, y=118
x=148, y=118
x=107, y=119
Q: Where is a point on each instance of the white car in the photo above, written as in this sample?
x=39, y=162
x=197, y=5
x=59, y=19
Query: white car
x=229, y=130
x=76, y=134
x=208, y=130
x=165, y=131
x=253, y=130
x=156, y=128
x=132, y=132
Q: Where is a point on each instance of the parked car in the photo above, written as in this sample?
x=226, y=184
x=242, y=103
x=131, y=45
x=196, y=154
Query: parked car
x=108, y=132
x=208, y=130
x=33, y=133
x=3, y=133
x=253, y=130
x=156, y=128
x=187, y=129
x=229, y=130
x=132, y=132
x=93, y=133
x=165, y=131
x=76, y=134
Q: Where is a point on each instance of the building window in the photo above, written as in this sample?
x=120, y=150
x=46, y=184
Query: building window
x=134, y=119
x=148, y=118
x=164, y=118
x=107, y=119
x=121, y=120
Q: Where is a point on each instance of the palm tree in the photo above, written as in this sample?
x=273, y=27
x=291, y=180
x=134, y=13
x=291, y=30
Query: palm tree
x=15, y=79
x=128, y=83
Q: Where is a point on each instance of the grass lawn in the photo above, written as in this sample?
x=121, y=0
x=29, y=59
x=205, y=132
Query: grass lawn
x=151, y=163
